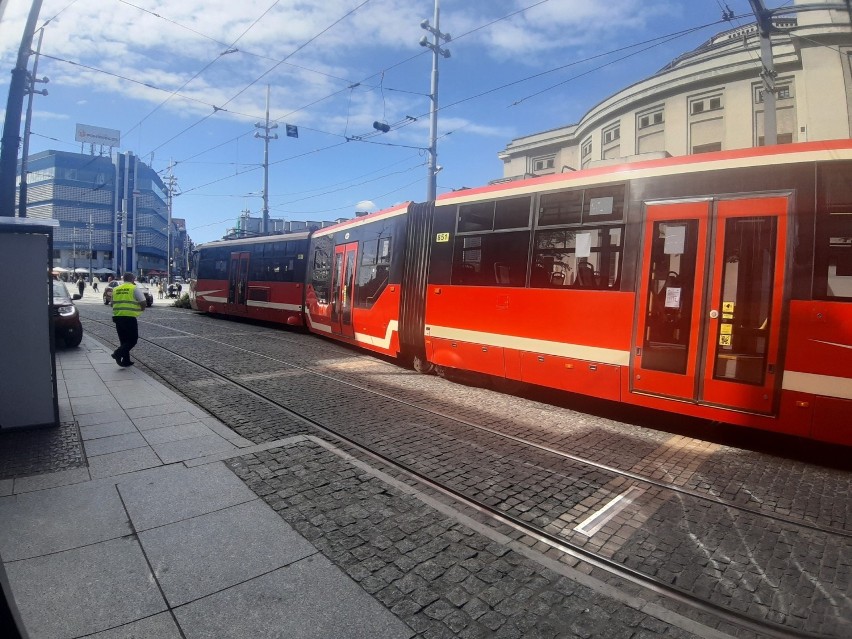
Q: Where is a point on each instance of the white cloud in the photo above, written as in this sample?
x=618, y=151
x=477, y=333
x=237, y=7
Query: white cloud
x=366, y=206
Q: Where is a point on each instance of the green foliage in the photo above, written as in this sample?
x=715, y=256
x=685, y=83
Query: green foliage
x=183, y=302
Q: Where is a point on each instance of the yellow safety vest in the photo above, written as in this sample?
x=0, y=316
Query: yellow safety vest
x=124, y=302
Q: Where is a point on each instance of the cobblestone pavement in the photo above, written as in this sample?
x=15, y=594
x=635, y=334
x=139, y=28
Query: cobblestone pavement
x=40, y=450
x=440, y=577
x=676, y=538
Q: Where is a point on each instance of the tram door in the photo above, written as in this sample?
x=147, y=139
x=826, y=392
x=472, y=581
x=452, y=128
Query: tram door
x=343, y=288
x=711, y=297
x=238, y=278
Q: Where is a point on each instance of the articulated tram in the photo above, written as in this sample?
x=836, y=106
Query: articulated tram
x=716, y=285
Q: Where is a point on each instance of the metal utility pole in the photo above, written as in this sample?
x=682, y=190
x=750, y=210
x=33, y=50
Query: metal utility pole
x=91, y=238
x=266, y=138
x=31, y=82
x=435, y=45
x=764, y=24
x=12, y=126
x=171, y=184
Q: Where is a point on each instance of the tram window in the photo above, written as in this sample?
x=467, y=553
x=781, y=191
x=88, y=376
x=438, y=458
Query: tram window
x=493, y=259
x=604, y=204
x=374, y=272
x=511, y=213
x=321, y=271
x=578, y=258
x=833, y=260
x=476, y=217
x=376, y=251
x=839, y=284
x=560, y=208
x=212, y=268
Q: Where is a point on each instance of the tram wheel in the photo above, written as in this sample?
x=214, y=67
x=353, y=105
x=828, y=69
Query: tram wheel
x=421, y=365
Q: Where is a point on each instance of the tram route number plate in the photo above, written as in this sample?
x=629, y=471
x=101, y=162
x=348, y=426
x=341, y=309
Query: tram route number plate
x=442, y=237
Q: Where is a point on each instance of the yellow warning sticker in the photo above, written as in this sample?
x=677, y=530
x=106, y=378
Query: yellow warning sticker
x=442, y=237
x=724, y=340
x=727, y=316
x=727, y=307
x=726, y=329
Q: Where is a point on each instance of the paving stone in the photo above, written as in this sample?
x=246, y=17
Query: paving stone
x=62, y=594
x=534, y=485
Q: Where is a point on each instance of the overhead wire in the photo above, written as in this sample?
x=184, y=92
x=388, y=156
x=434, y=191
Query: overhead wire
x=409, y=120
x=381, y=72
x=267, y=72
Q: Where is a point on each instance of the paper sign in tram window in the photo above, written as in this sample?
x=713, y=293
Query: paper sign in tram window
x=673, y=297
x=675, y=240
x=583, y=244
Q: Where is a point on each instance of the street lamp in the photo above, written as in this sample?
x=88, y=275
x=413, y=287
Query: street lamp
x=74, y=250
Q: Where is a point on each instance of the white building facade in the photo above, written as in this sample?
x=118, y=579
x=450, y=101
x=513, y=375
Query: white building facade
x=711, y=99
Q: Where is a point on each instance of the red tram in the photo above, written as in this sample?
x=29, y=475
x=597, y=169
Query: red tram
x=715, y=285
x=261, y=278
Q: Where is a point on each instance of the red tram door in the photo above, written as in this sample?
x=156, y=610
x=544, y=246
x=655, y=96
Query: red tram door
x=665, y=356
x=343, y=288
x=709, y=315
x=238, y=278
x=744, y=322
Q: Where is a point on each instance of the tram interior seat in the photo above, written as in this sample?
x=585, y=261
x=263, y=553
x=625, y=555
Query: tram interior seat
x=585, y=275
x=557, y=279
x=540, y=277
x=502, y=273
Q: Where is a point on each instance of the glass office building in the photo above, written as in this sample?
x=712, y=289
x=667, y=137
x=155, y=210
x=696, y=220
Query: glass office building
x=111, y=210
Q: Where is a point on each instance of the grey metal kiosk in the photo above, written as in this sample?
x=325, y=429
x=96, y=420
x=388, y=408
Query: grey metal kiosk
x=28, y=394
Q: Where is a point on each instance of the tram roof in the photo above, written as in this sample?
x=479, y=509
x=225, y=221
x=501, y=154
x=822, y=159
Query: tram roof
x=696, y=163
x=262, y=239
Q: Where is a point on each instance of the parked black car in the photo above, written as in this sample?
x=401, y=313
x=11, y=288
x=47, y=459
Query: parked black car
x=66, y=319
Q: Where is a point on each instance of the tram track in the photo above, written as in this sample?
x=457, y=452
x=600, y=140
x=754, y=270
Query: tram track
x=556, y=541
x=793, y=521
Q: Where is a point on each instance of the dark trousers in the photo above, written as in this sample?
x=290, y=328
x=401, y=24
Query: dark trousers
x=128, y=335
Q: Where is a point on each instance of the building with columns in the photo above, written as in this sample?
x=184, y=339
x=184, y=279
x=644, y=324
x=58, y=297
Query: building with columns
x=711, y=99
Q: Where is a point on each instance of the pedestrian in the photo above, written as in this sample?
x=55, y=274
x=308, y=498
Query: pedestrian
x=160, y=290
x=81, y=285
x=95, y=284
x=128, y=302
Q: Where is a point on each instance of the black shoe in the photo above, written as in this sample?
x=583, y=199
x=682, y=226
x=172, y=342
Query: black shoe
x=115, y=357
x=126, y=362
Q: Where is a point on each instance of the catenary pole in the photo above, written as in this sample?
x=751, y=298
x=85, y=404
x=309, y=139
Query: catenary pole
x=764, y=25
x=12, y=125
x=437, y=51
x=25, y=152
x=266, y=138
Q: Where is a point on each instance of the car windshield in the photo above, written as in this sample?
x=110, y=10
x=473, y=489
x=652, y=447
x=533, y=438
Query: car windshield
x=59, y=290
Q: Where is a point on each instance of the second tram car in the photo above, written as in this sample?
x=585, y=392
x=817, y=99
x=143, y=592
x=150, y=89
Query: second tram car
x=716, y=285
x=261, y=278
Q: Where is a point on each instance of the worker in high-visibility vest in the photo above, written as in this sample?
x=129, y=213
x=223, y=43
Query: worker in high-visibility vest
x=128, y=302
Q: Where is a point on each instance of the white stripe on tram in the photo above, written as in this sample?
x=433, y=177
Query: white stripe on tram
x=545, y=347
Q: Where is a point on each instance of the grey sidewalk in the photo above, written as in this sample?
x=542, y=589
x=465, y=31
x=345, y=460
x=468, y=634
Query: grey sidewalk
x=157, y=534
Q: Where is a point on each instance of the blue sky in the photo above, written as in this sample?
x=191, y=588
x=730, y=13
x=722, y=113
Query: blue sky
x=160, y=72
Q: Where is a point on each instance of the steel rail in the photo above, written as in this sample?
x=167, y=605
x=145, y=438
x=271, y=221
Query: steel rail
x=767, y=628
